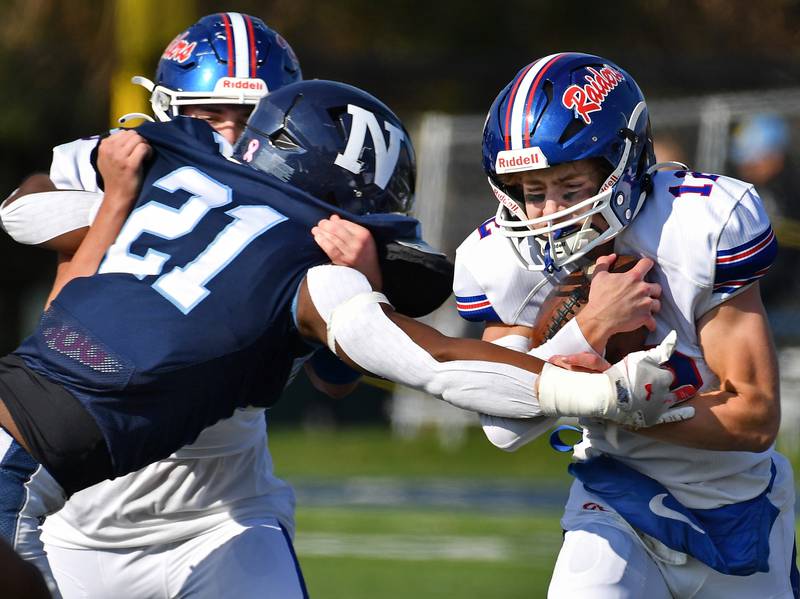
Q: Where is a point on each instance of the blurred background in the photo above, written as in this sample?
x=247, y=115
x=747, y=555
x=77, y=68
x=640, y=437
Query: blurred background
x=398, y=495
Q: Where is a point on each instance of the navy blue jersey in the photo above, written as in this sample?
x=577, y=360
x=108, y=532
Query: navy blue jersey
x=189, y=316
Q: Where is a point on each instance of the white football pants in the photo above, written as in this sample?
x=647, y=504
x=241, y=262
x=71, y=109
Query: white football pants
x=246, y=560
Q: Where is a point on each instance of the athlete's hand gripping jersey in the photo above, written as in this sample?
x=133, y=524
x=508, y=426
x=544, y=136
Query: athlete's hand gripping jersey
x=195, y=489
x=205, y=273
x=709, y=238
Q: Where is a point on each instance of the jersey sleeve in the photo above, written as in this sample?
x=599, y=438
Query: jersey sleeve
x=746, y=249
x=471, y=300
x=72, y=166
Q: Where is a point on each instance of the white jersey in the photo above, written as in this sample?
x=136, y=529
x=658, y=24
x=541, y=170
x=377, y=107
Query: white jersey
x=709, y=238
x=491, y=286
x=225, y=474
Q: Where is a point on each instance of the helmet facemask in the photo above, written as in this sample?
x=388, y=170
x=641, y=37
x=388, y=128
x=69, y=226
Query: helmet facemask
x=562, y=109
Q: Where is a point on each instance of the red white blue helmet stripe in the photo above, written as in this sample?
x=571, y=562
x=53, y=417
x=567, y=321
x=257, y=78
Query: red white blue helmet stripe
x=517, y=130
x=241, y=45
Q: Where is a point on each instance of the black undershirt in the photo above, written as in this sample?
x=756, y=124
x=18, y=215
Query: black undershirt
x=60, y=433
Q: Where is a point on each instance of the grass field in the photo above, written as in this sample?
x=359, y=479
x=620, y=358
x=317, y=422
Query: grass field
x=384, y=545
x=390, y=518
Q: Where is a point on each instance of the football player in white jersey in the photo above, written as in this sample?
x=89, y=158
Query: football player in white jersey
x=700, y=508
x=212, y=520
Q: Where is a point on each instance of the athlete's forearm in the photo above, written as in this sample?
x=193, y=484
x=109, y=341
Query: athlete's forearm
x=724, y=421
x=109, y=221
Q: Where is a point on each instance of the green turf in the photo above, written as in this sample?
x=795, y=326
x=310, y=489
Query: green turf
x=374, y=452
x=361, y=553
x=424, y=553
x=369, y=579
x=523, y=546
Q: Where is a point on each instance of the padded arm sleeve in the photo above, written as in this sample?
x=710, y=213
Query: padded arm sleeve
x=376, y=344
x=39, y=217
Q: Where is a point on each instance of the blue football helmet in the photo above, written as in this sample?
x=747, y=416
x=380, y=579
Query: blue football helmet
x=334, y=141
x=559, y=109
x=224, y=58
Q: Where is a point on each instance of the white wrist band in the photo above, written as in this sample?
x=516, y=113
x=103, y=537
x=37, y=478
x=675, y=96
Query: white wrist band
x=567, y=393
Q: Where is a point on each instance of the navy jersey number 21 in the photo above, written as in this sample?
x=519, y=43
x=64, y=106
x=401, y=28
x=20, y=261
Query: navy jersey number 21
x=184, y=286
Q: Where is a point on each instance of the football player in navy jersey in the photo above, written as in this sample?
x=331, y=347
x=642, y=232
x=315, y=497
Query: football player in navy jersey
x=213, y=286
x=186, y=520
x=701, y=508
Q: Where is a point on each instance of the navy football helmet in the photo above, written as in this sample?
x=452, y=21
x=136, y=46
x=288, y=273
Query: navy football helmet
x=559, y=109
x=334, y=141
x=224, y=58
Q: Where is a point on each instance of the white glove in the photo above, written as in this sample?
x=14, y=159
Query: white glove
x=634, y=392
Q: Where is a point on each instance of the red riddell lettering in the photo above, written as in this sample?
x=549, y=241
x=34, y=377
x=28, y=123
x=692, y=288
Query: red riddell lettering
x=518, y=161
x=590, y=97
x=243, y=84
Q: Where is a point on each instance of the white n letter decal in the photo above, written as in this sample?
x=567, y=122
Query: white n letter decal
x=385, y=159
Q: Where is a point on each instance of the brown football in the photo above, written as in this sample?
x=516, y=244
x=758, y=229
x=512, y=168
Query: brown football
x=568, y=298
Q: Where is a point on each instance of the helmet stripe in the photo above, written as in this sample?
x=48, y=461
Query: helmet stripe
x=251, y=36
x=510, y=102
x=528, y=85
x=229, y=36
x=240, y=46
x=530, y=97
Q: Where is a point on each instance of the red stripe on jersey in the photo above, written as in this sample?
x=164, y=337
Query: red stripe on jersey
x=746, y=253
x=463, y=306
x=742, y=282
x=229, y=35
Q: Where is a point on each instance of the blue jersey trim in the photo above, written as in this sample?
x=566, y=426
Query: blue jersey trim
x=732, y=539
x=746, y=263
x=476, y=308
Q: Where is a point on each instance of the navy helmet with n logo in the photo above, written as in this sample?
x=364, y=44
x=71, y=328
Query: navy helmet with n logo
x=334, y=141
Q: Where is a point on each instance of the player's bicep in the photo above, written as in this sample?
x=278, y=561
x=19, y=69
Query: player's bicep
x=737, y=346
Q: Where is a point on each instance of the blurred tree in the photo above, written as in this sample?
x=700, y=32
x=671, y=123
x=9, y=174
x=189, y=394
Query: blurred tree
x=58, y=59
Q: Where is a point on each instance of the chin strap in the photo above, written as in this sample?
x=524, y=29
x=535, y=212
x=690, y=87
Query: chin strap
x=132, y=116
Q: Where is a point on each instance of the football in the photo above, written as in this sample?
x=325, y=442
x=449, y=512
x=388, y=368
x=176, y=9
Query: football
x=568, y=298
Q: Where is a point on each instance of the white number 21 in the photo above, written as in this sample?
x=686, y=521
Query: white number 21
x=184, y=286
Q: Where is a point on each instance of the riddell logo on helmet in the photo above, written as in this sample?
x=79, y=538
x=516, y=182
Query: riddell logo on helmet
x=235, y=84
x=512, y=161
x=179, y=49
x=590, y=97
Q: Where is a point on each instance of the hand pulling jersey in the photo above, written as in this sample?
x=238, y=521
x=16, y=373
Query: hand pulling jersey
x=189, y=316
x=193, y=490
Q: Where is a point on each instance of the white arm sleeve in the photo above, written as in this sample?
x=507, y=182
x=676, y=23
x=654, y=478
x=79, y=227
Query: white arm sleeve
x=39, y=217
x=376, y=344
x=510, y=434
